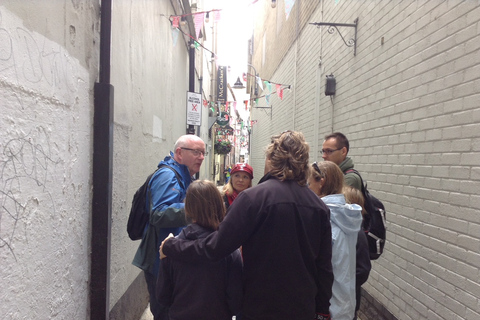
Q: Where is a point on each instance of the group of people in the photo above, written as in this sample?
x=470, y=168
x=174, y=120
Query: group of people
x=303, y=252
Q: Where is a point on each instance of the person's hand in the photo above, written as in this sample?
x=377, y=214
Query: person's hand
x=162, y=256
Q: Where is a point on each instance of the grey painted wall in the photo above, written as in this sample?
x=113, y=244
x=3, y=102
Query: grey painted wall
x=47, y=70
x=409, y=102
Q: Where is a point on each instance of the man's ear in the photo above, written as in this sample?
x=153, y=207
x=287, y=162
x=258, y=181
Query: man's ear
x=178, y=154
x=344, y=152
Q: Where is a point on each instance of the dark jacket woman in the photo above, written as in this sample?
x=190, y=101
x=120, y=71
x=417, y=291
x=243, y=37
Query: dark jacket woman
x=198, y=291
x=285, y=233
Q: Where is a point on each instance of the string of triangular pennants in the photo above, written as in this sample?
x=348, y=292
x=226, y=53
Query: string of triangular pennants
x=176, y=30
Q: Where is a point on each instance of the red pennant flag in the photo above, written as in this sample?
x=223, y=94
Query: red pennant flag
x=226, y=106
x=246, y=104
x=235, y=105
x=205, y=103
x=279, y=91
x=175, y=21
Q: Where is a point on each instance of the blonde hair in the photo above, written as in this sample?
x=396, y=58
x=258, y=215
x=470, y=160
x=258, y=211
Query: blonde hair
x=288, y=154
x=204, y=204
x=228, y=188
x=354, y=196
x=333, y=176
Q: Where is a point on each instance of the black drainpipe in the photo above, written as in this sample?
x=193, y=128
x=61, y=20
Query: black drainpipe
x=102, y=175
x=191, y=76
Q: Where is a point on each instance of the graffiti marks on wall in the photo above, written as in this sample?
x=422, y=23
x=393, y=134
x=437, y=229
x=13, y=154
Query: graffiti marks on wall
x=44, y=128
x=26, y=168
x=29, y=59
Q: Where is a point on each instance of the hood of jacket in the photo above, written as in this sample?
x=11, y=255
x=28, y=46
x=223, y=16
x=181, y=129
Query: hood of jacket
x=180, y=168
x=348, y=217
x=193, y=232
x=346, y=164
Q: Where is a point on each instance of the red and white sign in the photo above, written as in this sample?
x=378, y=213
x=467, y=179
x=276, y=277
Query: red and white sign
x=194, y=112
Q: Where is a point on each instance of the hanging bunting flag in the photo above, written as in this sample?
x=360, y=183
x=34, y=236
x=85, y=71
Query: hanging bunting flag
x=226, y=106
x=288, y=7
x=205, y=103
x=279, y=91
x=235, y=106
x=259, y=81
x=175, y=34
x=267, y=99
x=175, y=21
x=199, y=19
x=253, y=122
x=246, y=104
x=217, y=15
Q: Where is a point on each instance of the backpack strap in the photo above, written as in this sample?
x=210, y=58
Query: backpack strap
x=361, y=179
x=179, y=178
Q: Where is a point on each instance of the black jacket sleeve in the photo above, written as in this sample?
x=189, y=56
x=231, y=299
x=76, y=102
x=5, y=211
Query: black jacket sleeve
x=324, y=269
x=363, y=259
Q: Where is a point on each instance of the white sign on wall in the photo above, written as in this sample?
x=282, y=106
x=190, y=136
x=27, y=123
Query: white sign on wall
x=194, y=108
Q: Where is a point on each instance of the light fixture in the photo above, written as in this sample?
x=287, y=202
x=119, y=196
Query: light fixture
x=330, y=85
x=207, y=17
x=274, y=3
x=238, y=84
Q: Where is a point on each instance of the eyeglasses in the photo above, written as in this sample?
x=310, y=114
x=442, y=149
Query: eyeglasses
x=329, y=151
x=195, y=152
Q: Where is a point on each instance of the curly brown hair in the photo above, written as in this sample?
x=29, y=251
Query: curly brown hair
x=288, y=154
x=204, y=204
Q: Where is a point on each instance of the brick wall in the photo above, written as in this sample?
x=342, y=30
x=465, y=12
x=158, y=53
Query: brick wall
x=409, y=102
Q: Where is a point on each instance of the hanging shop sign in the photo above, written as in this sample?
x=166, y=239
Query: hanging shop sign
x=194, y=108
x=223, y=119
x=222, y=84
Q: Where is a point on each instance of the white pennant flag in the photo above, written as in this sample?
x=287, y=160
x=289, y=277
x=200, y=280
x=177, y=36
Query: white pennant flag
x=259, y=81
x=199, y=19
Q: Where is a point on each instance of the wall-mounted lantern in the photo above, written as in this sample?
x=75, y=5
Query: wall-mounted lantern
x=238, y=84
x=330, y=85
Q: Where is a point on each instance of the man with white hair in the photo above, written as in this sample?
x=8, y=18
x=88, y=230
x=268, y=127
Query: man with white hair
x=166, y=191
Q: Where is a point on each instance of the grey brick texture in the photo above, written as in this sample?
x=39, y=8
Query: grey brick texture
x=409, y=102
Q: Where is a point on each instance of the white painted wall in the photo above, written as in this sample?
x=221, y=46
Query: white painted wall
x=47, y=69
x=410, y=108
x=150, y=75
x=48, y=66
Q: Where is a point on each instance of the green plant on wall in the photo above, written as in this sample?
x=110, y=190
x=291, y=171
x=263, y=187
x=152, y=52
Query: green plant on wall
x=222, y=146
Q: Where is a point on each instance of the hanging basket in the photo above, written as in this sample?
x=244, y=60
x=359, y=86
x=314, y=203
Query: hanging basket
x=222, y=146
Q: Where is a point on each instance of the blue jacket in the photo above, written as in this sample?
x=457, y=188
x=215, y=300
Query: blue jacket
x=346, y=220
x=167, y=212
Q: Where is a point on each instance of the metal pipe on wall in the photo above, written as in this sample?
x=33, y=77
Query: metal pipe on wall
x=102, y=175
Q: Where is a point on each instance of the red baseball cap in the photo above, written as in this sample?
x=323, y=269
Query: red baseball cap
x=244, y=167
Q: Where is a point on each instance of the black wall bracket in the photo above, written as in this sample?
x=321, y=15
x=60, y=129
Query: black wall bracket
x=332, y=27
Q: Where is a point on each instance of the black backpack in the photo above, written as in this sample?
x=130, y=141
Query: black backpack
x=374, y=221
x=139, y=213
